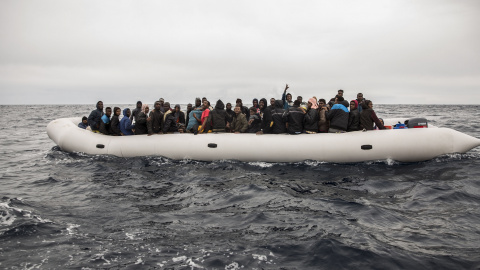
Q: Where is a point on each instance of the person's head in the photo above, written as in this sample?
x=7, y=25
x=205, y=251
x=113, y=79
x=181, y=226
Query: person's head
x=198, y=102
x=262, y=104
x=206, y=104
x=370, y=104
x=139, y=105
x=322, y=102
x=359, y=97
x=203, y=99
x=108, y=112
x=289, y=97
x=145, y=108
x=157, y=105
x=166, y=106
x=126, y=112
x=84, y=120
x=255, y=102
x=353, y=105
x=296, y=103
x=116, y=111
x=238, y=108
x=300, y=98
x=229, y=106
x=339, y=99
x=177, y=107
x=340, y=92
x=161, y=100
x=253, y=110
x=239, y=101
x=272, y=101
x=100, y=105
x=312, y=103
x=189, y=107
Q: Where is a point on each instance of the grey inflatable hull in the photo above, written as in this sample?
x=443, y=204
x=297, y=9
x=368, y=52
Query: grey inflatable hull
x=410, y=145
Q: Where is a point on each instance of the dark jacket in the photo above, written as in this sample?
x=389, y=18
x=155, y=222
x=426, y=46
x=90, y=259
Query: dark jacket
x=115, y=126
x=295, y=117
x=278, y=118
x=156, y=122
x=239, y=123
x=256, y=125
x=218, y=118
x=141, y=124
x=368, y=117
x=94, y=118
x=82, y=125
x=338, y=117
x=135, y=113
x=353, y=120
x=311, y=120
x=105, y=125
x=170, y=124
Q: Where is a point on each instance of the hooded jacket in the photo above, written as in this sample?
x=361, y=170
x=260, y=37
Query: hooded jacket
x=156, y=122
x=126, y=125
x=256, y=125
x=94, y=118
x=105, y=125
x=115, y=125
x=295, y=117
x=239, y=123
x=368, y=117
x=218, y=117
x=192, y=121
x=170, y=124
x=354, y=118
x=141, y=124
x=278, y=118
x=338, y=117
x=312, y=117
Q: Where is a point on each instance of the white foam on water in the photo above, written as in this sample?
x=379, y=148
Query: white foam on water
x=71, y=228
x=260, y=257
x=261, y=164
x=233, y=266
x=179, y=259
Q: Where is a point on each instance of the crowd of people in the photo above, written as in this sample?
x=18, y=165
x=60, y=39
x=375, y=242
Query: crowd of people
x=280, y=116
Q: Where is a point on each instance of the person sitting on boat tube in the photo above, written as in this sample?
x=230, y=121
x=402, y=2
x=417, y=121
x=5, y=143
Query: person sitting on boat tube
x=105, y=123
x=115, y=123
x=94, y=117
x=338, y=117
x=84, y=123
x=239, y=123
x=126, y=125
x=295, y=116
x=155, y=120
x=278, y=124
x=368, y=117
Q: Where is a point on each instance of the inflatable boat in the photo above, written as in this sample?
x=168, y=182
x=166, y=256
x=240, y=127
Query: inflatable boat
x=405, y=145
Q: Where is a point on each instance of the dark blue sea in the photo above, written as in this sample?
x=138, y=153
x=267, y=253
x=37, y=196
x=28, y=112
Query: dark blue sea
x=63, y=210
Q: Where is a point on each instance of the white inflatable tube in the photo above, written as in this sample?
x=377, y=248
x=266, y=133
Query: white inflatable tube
x=409, y=145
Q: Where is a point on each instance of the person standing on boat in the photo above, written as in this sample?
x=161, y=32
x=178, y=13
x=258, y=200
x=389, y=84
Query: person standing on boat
x=136, y=111
x=115, y=123
x=287, y=98
x=95, y=116
x=155, y=120
x=353, y=117
x=141, y=122
x=239, y=122
x=105, y=123
x=323, y=123
x=278, y=125
x=126, y=125
x=338, y=117
x=312, y=117
x=368, y=117
x=84, y=123
x=189, y=109
x=218, y=118
x=360, y=101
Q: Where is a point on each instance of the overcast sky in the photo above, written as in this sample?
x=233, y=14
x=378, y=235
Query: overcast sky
x=79, y=52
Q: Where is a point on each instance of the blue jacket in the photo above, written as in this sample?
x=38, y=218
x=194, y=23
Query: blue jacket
x=285, y=102
x=192, y=121
x=82, y=125
x=125, y=124
x=338, y=117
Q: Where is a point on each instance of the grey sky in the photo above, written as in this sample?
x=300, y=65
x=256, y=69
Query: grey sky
x=77, y=52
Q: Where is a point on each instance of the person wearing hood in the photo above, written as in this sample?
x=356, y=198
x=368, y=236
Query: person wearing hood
x=278, y=124
x=256, y=105
x=245, y=110
x=312, y=117
x=126, y=126
x=354, y=117
x=135, y=112
x=338, y=117
x=287, y=99
x=218, y=118
x=229, y=111
x=105, y=123
x=141, y=122
x=115, y=123
x=295, y=117
x=254, y=122
x=170, y=124
x=95, y=117
x=155, y=120
x=239, y=122
x=84, y=123
x=368, y=117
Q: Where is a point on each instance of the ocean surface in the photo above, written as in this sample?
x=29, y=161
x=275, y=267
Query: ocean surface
x=63, y=210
